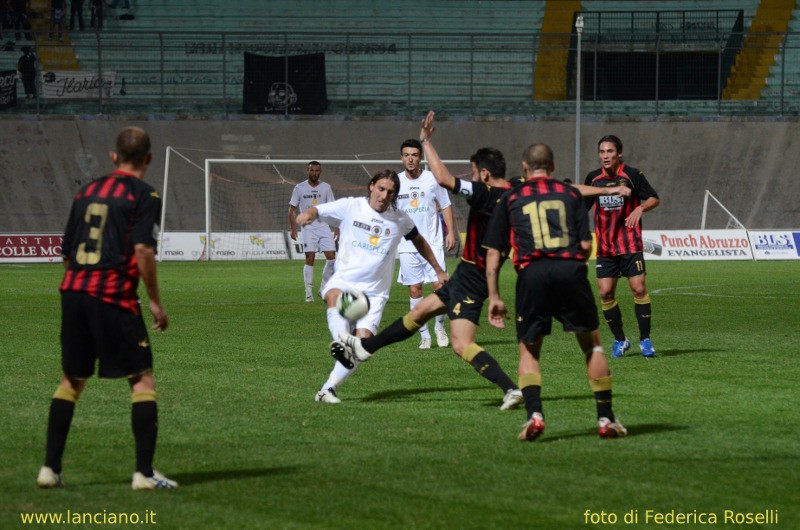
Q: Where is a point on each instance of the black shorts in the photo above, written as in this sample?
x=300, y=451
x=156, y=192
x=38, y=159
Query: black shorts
x=464, y=293
x=553, y=288
x=92, y=329
x=627, y=265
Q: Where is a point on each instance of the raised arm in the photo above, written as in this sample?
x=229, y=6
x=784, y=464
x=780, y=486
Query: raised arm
x=439, y=170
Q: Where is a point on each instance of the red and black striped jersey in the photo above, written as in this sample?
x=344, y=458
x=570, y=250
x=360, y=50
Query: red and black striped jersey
x=482, y=200
x=109, y=216
x=610, y=212
x=543, y=218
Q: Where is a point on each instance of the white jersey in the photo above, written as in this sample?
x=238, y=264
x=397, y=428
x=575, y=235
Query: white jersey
x=304, y=196
x=367, y=243
x=418, y=198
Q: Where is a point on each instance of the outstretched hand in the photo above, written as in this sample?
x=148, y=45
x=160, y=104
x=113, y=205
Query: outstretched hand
x=427, y=128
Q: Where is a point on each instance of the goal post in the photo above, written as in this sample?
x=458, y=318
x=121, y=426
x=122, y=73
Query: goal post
x=243, y=212
x=731, y=222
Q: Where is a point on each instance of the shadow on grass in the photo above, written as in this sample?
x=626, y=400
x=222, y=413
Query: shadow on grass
x=633, y=430
x=672, y=353
x=390, y=395
x=201, y=477
x=221, y=475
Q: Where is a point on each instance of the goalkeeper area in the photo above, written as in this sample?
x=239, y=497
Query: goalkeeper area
x=236, y=207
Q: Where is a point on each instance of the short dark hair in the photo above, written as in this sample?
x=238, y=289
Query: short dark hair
x=411, y=142
x=314, y=163
x=386, y=174
x=133, y=146
x=490, y=159
x=539, y=156
x=613, y=139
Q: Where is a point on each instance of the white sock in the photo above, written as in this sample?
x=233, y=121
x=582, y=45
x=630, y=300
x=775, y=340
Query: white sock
x=338, y=376
x=439, y=321
x=327, y=272
x=423, y=331
x=337, y=323
x=308, y=277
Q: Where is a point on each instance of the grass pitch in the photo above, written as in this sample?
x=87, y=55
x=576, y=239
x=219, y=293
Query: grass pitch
x=418, y=441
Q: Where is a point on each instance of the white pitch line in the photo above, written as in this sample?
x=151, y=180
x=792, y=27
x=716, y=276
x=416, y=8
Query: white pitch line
x=665, y=289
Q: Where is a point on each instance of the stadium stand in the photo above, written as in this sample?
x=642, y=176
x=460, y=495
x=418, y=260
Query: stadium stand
x=401, y=58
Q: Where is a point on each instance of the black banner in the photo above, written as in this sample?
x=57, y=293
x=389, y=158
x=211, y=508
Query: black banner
x=268, y=89
x=8, y=89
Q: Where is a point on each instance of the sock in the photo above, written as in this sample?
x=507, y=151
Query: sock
x=397, y=331
x=423, y=329
x=338, y=375
x=308, y=277
x=487, y=366
x=602, y=396
x=439, y=319
x=613, y=317
x=531, y=386
x=327, y=272
x=62, y=408
x=643, y=310
x=144, y=423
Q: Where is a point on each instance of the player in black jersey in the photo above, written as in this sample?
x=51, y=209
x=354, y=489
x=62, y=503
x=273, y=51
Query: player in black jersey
x=109, y=243
x=546, y=224
x=463, y=295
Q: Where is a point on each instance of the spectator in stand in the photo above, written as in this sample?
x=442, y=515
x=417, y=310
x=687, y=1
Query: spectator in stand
x=27, y=69
x=19, y=18
x=75, y=8
x=57, y=18
x=96, y=21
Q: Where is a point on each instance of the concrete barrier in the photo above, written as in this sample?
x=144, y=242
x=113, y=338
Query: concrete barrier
x=748, y=164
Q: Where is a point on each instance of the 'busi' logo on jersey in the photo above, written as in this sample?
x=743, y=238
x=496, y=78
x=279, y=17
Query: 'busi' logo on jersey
x=611, y=202
x=363, y=226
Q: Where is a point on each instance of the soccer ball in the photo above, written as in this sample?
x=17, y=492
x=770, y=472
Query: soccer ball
x=352, y=304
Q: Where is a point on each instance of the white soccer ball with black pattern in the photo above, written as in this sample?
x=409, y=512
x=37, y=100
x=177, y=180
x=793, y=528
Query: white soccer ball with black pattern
x=352, y=304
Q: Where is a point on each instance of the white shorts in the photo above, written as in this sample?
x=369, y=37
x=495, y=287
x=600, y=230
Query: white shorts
x=318, y=238
x=372, y=320
x=415, y=269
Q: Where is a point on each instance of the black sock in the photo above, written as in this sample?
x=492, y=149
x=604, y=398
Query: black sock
x=533, y=399
x=395, y=332
x=487, y=366
x=602, y=399
x=144, y=421
x=643, y=318
x=613, y=317
x=58, y=423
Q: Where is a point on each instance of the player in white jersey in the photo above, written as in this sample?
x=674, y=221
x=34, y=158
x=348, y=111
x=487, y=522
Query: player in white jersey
x=316, y=236
x=370, y=230
x=421, y=198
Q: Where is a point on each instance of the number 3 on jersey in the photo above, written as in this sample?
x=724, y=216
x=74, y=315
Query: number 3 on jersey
x=540, y=227
x=96, y=216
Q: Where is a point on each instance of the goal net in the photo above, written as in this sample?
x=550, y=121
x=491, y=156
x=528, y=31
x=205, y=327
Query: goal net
x=718, y=216
x=237, y=208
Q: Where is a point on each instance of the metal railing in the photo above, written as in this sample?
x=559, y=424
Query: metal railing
x=177, y=73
